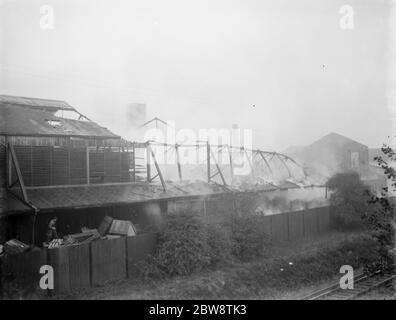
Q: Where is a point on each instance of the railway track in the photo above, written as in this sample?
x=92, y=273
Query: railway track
x=363, y=284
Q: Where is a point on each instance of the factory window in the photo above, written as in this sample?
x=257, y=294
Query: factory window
x=354, y=159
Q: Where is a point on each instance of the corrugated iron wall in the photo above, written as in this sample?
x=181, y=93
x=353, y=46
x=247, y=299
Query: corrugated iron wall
x=46, y=165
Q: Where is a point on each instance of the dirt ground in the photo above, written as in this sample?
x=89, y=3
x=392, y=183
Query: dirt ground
x=290, y=271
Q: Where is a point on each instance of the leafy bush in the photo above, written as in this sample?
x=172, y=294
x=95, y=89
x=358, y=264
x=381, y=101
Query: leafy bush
x=218, y=240
x=183, y=248
x=248, y=238
x=349, y=198
x=188, y=245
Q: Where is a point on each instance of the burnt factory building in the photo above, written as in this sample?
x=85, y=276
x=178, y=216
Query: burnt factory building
x=335, y=153
x=56, y=161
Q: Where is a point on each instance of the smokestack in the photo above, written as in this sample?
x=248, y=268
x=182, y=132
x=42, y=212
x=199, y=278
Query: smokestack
x=136, y=116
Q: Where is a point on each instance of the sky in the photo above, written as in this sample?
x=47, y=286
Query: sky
x=284, y=69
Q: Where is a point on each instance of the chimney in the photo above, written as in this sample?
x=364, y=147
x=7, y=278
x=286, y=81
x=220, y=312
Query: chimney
x=136, y=115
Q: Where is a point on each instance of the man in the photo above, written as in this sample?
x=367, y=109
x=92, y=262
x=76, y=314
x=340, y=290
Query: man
x=51, y=232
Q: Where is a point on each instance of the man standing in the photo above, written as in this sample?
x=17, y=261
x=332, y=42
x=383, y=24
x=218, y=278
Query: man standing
x=51, y=232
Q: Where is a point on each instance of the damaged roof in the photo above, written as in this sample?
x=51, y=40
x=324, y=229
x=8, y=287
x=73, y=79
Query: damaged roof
x=35, y=103
x=62, y=197
x=21, y=116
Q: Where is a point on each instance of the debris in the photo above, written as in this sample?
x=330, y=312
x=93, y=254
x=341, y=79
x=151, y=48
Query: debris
x=85, y=237
x=14, y=246
x=122, y=228
x=1, y=249
x=112, y=236
x=55, y=243
x=105, y=225
x=87, y=230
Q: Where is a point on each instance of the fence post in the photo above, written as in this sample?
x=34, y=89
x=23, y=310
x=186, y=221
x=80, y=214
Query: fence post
x=87, y=159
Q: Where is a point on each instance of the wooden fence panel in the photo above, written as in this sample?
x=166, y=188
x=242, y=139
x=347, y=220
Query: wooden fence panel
x=266, y=225
x=310, y=223
x=79, y=266
x=296, y=225
x=22, y=270
x=138, y=248
x=59, y=260
x=279, y=227
x=323, y=219
x=108, y=261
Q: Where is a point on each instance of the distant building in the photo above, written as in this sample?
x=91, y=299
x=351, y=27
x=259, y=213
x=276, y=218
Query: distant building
x=335, y=153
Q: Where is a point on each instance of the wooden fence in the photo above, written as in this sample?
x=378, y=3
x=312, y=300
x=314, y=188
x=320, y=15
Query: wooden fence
x=298, y=224
x=78, y=267
x=105, y=261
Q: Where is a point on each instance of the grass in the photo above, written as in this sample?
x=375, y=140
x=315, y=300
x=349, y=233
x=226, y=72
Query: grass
x=287, y=270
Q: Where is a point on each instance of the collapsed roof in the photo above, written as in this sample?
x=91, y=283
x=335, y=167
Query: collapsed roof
x=20, y=116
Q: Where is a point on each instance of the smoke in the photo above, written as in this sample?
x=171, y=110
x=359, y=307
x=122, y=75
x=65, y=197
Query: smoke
x=279, y=201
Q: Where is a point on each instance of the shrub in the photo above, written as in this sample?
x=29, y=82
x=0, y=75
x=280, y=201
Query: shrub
x=218, y=240
x=348, y=199
x=183, y=248
x=248, y=238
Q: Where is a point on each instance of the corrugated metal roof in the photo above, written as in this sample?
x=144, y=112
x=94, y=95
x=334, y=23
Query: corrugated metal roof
x=36, y=103
x=94, y=195
x=18, y=120
x=48, y=198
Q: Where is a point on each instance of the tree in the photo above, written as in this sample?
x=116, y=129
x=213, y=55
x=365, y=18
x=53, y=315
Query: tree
x=349, y=198
x=381, y=218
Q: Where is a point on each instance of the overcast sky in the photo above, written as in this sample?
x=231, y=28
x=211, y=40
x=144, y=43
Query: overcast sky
x=204, y=64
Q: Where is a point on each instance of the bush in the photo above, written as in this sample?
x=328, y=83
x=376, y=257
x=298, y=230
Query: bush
x=188, y=245
x=248, y=238
x=349, y=199
x=183, y=248
x=218, y=240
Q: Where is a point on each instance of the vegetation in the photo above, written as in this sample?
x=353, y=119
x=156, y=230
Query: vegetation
x=381, y=219
x=188, y=245
x=355, y=205
x=349, y=199
x=248, y=239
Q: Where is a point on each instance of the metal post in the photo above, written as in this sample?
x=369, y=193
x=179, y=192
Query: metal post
x=148, y=164
x=250, y=163
x=208, y=159
x=231, y=164
x=9, y=166
x=134, y=162
x=159, y=173
x=284, y=163
x=178, y=162
x=266, y=162
x=87, y=159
